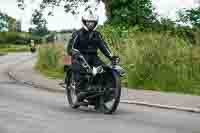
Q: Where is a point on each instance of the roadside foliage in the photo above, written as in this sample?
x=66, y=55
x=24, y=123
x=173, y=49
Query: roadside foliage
x=50, y=60
x=154, y=61
x=157, y=61
x=157, y=53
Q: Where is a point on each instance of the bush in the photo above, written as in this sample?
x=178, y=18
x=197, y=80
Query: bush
x=37, y=39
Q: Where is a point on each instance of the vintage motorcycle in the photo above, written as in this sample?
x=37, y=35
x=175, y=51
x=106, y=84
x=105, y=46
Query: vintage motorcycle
x=33, y=49
x=102, y=85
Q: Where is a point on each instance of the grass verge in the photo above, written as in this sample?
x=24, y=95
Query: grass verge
x=6, y=48
x=51, y=73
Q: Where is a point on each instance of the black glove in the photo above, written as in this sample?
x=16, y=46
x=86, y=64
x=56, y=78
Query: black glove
x=115, y=60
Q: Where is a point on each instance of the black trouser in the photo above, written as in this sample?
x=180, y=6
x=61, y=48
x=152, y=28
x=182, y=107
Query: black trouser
x=77, y=69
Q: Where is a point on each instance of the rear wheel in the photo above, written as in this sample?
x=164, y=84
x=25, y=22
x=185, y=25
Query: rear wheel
x=70, y=91
x=112, y=97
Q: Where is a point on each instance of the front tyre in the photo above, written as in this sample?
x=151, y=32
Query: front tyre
x=112, y=98
x=70, y=91
x=33, y=50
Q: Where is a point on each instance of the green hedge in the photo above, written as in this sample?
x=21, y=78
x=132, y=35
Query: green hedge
x=17, y=38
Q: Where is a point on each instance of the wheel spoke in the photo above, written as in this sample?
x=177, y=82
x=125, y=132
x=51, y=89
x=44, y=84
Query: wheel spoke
x=73, y=94
x=110, y=101
x=110, y=93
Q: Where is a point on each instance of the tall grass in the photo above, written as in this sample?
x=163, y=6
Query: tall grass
x=157, y=61
x=50, y=60
x=154, y=61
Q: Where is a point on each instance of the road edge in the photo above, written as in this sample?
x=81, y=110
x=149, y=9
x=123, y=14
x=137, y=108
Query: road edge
x=140, y=103
x=178, y=108
x=3, y=54
x=13, y=77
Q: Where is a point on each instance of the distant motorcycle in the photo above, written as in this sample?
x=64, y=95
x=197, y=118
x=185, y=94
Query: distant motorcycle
x=102, y=85
x=33, y=49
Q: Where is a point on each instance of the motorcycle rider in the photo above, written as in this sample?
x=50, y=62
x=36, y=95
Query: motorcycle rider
x=32, y=46
x=87, y=40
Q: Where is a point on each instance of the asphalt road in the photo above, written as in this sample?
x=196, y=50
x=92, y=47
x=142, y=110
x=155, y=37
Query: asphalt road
x=24, y=109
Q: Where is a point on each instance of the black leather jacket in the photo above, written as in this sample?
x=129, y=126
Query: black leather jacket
x=88, y=43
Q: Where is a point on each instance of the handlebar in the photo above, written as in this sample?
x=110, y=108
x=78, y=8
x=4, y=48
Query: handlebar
x=75, y=52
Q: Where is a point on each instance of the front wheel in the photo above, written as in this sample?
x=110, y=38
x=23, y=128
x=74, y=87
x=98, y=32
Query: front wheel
x=112, y=97
x=70, y=91
x=33, y=50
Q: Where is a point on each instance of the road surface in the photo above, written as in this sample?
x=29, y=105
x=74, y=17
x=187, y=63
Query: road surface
x=24, y=109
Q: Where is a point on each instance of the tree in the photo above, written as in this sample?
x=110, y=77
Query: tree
x=40, y=24
x=166, y=24
x=72, y=5
x=3, y=22
x=18, y=26
x=131, y=11
x=190, y=16
x=11, y=24
x=7, y=23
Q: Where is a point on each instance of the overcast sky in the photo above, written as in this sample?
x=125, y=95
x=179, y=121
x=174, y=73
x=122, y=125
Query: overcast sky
x=61, y=20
